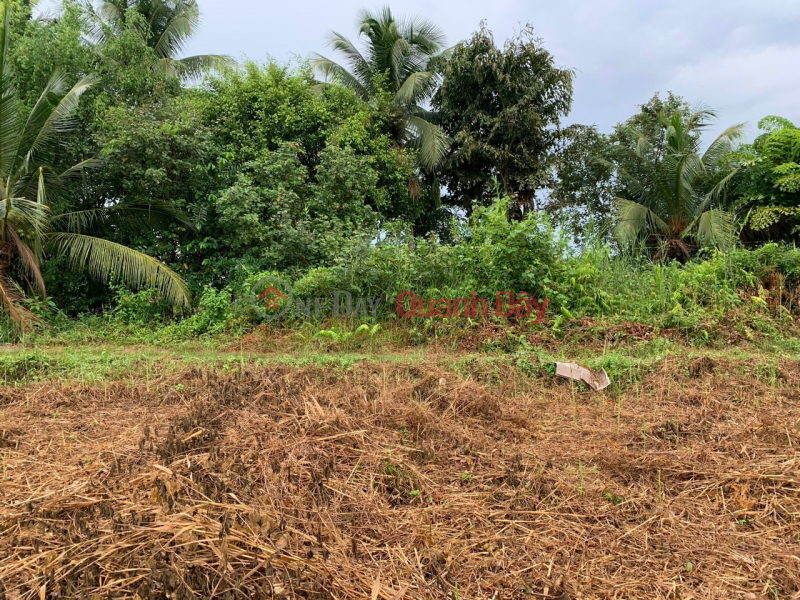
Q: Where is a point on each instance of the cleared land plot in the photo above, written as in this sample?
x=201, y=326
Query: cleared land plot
x=392, y=481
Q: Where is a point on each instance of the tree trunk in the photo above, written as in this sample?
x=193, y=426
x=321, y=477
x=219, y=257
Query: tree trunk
x=524, y=202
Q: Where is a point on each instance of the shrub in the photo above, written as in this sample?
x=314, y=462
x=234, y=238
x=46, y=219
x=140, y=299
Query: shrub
x=141, y=307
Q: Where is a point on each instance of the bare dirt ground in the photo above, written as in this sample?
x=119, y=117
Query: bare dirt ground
x=402, y=481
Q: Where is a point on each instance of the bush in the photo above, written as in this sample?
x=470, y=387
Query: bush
x=140, y=307
x=492, y=253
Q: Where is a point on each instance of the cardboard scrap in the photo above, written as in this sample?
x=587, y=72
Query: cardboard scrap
x=596, y=381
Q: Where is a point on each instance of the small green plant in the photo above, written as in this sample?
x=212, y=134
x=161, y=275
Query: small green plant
x=391, y=469
x=340, y=337
x=416, y=337
x=614, y=499
x=745, y=521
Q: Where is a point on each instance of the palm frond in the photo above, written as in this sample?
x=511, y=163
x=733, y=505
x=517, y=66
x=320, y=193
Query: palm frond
x=11, y=298
x=638, y=187
x=700, y=118
x=172, y=25
x=636, y=221
x=400, y=48
x=27, y=185
x=104, y=259
x=336, y=73
x=718, y=191
x=429, y=139
x=724, y=144
x=97, y=24
x=194, y=67
x=41, y=189
x=30, y=264
x=10, y=108
x=403, y=49
x=416, y=87
x=424, y=33
x=111, y=12
x=53, y=91
x=354, y=58
x=25, y=215
x=686, y=170
x=128, y=215
x=79, y=169
x=716, y=228
x=59, y=119
x=643, y=144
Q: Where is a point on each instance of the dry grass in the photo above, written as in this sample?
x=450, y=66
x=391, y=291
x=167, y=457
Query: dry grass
x=401, y=482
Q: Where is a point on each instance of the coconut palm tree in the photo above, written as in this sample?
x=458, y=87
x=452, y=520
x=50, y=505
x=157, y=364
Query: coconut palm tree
x=677, y=200
x=28, y=183
x=400, y=57
x=170, y=24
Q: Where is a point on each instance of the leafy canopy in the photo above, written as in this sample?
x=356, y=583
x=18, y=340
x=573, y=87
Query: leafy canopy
x=769, y=183
x=29, y=142
x=400, y=58
x=502, y=108
x=677, y=200
x=166, y=25
x=588, y=164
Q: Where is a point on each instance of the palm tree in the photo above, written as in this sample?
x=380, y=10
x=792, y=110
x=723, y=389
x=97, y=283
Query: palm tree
x=400, y=58
x=679, y=193
x=169, y=26
x=28, y=184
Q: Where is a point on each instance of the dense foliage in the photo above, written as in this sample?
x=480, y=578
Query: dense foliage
x=400, y=62
x=769, y=183
x=679, y=202
x=29, y=225
x=502, y=108
x=409, y=167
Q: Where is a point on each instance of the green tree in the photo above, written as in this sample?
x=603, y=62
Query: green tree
x=29, y=140
x=588, y=165
x=768, y=186
x=161, y=155
x=40, y=47
x=257, y=109
x=502, y=107
x=133, y=99
x=400, y=61
x=167, y=27
x=582, y=194
x=277, y=216
x=676, y=200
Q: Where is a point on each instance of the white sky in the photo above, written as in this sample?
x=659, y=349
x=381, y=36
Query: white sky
x=740, y=57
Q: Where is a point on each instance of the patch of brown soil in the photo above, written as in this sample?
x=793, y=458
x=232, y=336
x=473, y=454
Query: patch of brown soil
x=400, y=482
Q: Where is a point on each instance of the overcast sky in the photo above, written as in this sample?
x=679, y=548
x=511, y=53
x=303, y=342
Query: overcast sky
x=740, y=57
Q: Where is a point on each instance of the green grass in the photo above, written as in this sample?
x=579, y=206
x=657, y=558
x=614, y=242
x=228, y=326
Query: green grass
x=22, y=365
x=626, y=364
